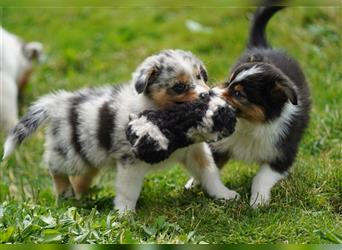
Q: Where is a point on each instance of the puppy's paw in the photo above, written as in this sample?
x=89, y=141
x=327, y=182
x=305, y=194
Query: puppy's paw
x=124, y=206
x=227, y=194
x=191, y=183
x=66, y=195
x=122, y=211
x=259, y=200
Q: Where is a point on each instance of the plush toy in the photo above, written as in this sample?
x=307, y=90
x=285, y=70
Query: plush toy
x=156, y=134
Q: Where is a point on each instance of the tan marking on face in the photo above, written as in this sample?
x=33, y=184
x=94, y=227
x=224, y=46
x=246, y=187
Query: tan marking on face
x=186, y=79
x=249, y=111
x=163, y=99
x=253, y=113
x=229, y=98
x=238, y=87
x=183, y=78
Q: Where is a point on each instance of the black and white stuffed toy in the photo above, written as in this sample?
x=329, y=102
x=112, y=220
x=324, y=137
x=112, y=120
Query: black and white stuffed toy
x=156, y=134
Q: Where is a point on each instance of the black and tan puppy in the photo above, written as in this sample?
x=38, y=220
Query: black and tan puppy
x=271, y=97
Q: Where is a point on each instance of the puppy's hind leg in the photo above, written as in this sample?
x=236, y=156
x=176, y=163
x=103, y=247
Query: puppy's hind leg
x=62, y=186
x=129, y=180
x=82, y=183
x=60, y=178
x=201, y=165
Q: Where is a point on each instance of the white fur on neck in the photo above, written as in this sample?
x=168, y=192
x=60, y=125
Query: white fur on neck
x=253, y=142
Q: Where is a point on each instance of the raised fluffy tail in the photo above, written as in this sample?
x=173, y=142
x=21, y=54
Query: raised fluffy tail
x=35, y=117
x=257, y=37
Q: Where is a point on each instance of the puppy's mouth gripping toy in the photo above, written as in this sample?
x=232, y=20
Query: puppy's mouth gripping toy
x=156, y=134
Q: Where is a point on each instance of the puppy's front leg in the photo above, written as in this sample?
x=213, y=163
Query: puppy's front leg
x=129, y=180
x=201, y=165
x=263, y=182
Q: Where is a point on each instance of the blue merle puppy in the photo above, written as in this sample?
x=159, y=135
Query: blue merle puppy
x=86, y=129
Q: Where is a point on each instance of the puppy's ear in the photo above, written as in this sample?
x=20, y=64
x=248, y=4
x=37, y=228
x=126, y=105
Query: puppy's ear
x=33, y=51
x=144, y=78
x=204, y=73
x=285, y=90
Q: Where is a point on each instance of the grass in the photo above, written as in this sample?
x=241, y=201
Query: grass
x=92, y=46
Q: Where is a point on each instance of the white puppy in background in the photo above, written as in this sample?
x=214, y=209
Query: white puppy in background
x=16, y=59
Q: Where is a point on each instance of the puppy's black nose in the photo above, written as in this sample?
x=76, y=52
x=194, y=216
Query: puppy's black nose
x=204, y=95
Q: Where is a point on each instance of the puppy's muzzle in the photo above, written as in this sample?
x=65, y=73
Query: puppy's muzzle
x=222, y=93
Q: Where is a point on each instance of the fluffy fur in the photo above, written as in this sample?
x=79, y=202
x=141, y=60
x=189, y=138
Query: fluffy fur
x=86, y=129
x=155, y=135
x=271, y=97
x=16, y=65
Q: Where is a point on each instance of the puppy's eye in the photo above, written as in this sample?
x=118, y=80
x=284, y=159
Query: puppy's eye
x=198, y=77
x=237, y=94
x=179, y=88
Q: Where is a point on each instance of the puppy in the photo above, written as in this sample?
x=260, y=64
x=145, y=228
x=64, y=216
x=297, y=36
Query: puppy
x=86, y=129
x=16, y=66
x=272, y=101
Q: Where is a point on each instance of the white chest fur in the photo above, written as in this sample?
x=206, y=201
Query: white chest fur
x=253, y=142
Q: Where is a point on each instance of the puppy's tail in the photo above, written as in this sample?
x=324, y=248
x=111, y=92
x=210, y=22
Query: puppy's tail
x=257, y=37
x=29, y=123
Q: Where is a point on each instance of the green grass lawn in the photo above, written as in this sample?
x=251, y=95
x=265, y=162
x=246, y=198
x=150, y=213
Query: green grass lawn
x=93, y=46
